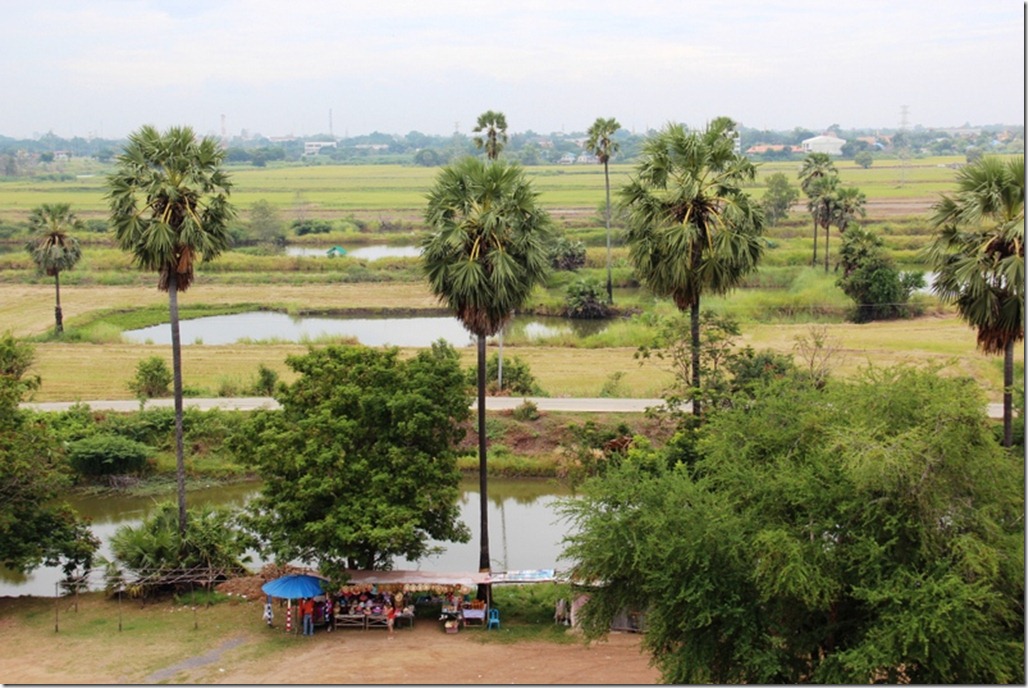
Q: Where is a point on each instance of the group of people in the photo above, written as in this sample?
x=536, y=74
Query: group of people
x=380, y=604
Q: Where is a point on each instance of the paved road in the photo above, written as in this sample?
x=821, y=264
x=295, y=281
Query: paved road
x=576, y=404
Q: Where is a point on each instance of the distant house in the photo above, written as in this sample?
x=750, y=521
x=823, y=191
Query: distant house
x=566, y=159
x=832, y=145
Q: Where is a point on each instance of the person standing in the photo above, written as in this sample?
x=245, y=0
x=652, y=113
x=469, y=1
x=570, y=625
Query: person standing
x=390, y=619
x=307, y=611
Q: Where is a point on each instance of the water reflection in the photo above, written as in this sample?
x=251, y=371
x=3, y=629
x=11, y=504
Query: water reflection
x=525, y=531
x=376, y=331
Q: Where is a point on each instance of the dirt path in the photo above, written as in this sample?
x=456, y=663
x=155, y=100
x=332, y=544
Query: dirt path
x=427, y=655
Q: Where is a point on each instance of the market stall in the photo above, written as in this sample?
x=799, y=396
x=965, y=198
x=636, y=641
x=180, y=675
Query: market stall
x=366, y=593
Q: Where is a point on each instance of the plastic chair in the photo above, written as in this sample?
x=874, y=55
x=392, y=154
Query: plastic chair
x=494, y=618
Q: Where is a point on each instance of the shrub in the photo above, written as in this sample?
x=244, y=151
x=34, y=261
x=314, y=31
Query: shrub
x=267, y=380
x=303, y=227
x=567, y=254
x=584, y=300
x=152, y=378
x=517, y=376
x=100, y=455
x=526, y=411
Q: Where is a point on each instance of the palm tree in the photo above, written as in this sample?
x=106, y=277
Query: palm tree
x=978, y=258
x=816, y=167
x=169, y=207
x=494, y=124
x=488, y=249
x=846, y=205
x=601, y=144
x=52, y=249
x=691, y=227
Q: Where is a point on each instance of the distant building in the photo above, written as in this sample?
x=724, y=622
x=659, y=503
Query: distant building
x=832, y=145
x=314, y=147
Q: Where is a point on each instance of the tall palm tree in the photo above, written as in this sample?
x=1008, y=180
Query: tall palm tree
x=846, y=205
x=169, y=205
x=816, y=167
x=488, y=249
x=978, y=258
x=52, y=249
x=601, y=144
x=494, y=124
x=691, y=228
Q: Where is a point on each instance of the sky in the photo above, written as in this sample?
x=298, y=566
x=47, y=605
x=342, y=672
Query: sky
x=346, y=67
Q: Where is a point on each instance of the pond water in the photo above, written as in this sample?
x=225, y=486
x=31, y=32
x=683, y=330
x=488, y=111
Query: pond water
x=377, y=331
x=375, y=252
x=525, y=531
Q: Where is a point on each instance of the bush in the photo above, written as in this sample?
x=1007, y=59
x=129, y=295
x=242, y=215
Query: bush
x=303, y=227
x=567, y=254
x=517, y=376
x=526, y=411
x=267, y=380
x=585, y=299
x=100, y=455
x=152, y=378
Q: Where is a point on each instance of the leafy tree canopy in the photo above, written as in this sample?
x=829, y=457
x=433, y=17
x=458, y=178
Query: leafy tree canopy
x=359, y=465
x=35, y=528
x=871, y=531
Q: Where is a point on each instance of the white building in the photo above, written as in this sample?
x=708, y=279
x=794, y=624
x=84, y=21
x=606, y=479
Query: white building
x=824, y=144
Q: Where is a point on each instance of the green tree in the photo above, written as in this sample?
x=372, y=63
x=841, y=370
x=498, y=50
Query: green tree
x=52, y=249
x=494, y=124
x=360, y=465
x=692, y=229
x=871, y=278
x=868, y=532
x=36, y=526
x=266, y=226
x=169, y=207
x=978, y=257
x=601, y=143
x=778, y=198
x=816, y=167
x=864, y=159
x=488, y=248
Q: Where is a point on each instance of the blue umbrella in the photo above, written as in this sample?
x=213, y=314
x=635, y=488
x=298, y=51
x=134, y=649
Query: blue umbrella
x=294, y=586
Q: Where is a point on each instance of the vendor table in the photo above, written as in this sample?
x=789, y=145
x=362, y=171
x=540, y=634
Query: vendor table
x=350, y=621
x=473, y=616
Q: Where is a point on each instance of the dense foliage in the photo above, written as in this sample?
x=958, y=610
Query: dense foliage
x=212, y=540
x=100, y=455
x=869, y=531
x=359, y=465
x=35, y=527
x=870, y=277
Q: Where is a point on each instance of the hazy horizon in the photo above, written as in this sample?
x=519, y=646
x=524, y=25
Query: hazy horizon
x=278, y=69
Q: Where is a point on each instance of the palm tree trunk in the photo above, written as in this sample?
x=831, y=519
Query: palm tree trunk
x=610, y=284
x=1008, y=384
x=694, y=331
x=828, y=230
x=483, y=482
x=813, y=261
x=176, y=368
x=58, y=315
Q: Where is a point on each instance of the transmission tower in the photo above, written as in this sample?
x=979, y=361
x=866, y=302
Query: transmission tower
x=904, y=151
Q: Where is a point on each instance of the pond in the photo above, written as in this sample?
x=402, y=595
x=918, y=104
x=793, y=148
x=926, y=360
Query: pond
x=525, y=531
x=373, y=331
x=375, y=252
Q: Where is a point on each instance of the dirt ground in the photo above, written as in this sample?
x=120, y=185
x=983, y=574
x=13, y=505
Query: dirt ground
x=234, y=647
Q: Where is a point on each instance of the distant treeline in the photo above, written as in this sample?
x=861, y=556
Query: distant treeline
x=21, y=157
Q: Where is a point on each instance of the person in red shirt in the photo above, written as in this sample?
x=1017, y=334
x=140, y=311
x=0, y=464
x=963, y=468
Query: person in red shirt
x=307, y=611
x=390, y=618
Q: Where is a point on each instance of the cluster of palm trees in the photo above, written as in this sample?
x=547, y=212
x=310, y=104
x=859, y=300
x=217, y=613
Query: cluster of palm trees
x=828, y=201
